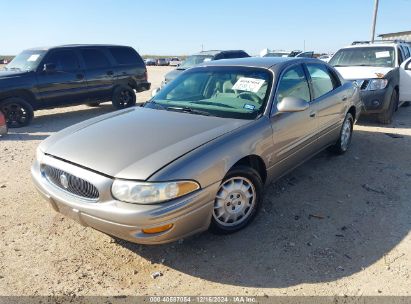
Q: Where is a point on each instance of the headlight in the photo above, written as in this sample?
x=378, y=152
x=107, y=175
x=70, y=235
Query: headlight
x=39, y=154
x=149, y=193
x=377, y=84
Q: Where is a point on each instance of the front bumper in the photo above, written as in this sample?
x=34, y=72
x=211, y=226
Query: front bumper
x=145, y=86
x=189, y=215
x=376, y=101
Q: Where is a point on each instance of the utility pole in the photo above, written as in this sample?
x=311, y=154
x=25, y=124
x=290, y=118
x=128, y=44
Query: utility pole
x=374, y=21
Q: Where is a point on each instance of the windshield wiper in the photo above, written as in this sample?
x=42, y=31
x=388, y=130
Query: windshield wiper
x=188, y=110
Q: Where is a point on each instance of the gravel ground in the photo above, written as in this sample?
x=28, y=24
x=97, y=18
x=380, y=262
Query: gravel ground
x=334, y=226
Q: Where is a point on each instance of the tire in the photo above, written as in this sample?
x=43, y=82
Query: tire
x=93, y=104
x=17, y=111
x=386, y=117
x=344, y=141
x=123, y=97
x=234, y=207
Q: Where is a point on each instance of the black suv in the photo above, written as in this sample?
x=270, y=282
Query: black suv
x=201, y=57
x=67, y=75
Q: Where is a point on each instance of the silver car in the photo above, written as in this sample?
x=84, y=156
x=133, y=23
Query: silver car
x=199, y=153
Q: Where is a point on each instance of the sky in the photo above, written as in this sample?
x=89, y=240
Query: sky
x=182, y=27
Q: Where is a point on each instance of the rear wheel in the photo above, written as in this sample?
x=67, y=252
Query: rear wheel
x=17, y=111
x=343, y=143
x=237, y=201
x=386, y=117
x=123, y=97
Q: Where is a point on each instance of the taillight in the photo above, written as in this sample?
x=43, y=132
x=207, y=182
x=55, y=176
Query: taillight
x=2, y=119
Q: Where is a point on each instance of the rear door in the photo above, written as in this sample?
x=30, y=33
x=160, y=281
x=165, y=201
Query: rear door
x=329, y=101
x=405, y=81
x=99, y=73
x=65, y=85
x=294, y=134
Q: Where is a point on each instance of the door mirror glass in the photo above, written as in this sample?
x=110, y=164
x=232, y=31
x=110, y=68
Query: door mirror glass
x=292, y=104
x=49, y=67
x=154, y=92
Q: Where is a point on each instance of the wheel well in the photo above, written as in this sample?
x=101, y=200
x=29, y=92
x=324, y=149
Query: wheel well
x=26, y=95
x=352, y=111
x=256, y=163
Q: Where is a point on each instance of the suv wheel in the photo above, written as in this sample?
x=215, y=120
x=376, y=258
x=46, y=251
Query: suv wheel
x=344, y=141
x=386, y=117
x=237, y=201
x=17, y=111
x=123, y=97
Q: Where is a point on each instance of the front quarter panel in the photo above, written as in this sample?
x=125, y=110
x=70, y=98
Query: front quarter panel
x=209, y=163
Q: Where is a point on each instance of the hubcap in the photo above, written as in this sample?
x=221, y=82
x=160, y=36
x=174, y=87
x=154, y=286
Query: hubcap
x=346, y=134
x=125, y=97
x=234, y=201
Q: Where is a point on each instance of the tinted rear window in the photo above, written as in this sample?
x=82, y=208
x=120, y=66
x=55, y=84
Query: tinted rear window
x=124, y=55
x=95, y=58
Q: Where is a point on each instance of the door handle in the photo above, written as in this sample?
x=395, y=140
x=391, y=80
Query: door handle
x=80, y=76
x=312, y=114
x=344, y=98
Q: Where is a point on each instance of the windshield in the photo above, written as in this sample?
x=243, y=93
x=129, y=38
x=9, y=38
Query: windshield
x=231, y=92
x=195, y=59
x=276, y=55
x=364, y=56
x=26, y=61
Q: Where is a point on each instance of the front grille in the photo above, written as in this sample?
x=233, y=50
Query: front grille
x=70, y=183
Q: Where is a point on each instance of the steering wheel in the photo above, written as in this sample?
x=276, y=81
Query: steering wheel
x=249, y=96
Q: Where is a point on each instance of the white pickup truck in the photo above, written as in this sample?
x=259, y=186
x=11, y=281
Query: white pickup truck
x=382, y=70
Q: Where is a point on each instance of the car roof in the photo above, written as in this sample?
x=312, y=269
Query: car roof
x=74, y=46
x=215, y=52
x=261, y=62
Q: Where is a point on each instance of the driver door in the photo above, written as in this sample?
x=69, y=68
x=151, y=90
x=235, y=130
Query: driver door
x=405, y=81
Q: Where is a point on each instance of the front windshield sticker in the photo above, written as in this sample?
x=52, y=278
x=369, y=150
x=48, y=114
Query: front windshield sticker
x=33, y=57
x=384, y=54
x=248, y=84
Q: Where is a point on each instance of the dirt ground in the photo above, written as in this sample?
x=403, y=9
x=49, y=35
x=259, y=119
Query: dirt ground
x=334, y=226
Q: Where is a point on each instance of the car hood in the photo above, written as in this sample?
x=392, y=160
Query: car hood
x=135, y=143
x=362, y=72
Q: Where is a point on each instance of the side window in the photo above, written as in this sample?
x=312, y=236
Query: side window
x=125, y=56
x=94, y=59
x=400, y=56
x=321, y=80
x=293, y=83
x=65, y=60
x=406, y=51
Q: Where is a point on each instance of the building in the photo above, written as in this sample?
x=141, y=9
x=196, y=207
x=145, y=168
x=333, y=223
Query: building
x=406, y=35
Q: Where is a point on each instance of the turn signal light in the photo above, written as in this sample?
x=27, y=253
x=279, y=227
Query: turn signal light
x=157, y=229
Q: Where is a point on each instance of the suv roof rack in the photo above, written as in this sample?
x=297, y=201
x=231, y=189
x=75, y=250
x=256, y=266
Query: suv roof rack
x=379, y=41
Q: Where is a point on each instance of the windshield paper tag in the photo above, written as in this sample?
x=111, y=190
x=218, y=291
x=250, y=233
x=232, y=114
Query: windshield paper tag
x=33, y=57
x=248, y=84
x=249, y=107
x=384, y=54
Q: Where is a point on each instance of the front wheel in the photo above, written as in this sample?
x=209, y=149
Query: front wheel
x=17, y=111
x=237, y=201
x=386, y=117
x=123, y=97
x=344, y=141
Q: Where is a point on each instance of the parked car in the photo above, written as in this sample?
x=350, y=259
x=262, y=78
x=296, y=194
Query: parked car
x=213, y=138
x=162, y=62
x=201, y=57
x=326, y=57
x=150, y=61
x=277, y=54
x=175, y=61
x=375, y=67
x=72, y=74
x=3, y=124
x=296, y=53
x=309, y=54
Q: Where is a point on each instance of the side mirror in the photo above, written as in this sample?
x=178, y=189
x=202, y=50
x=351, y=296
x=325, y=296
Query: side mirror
x=292, y=104
x=49, y=67
x=154, y=92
